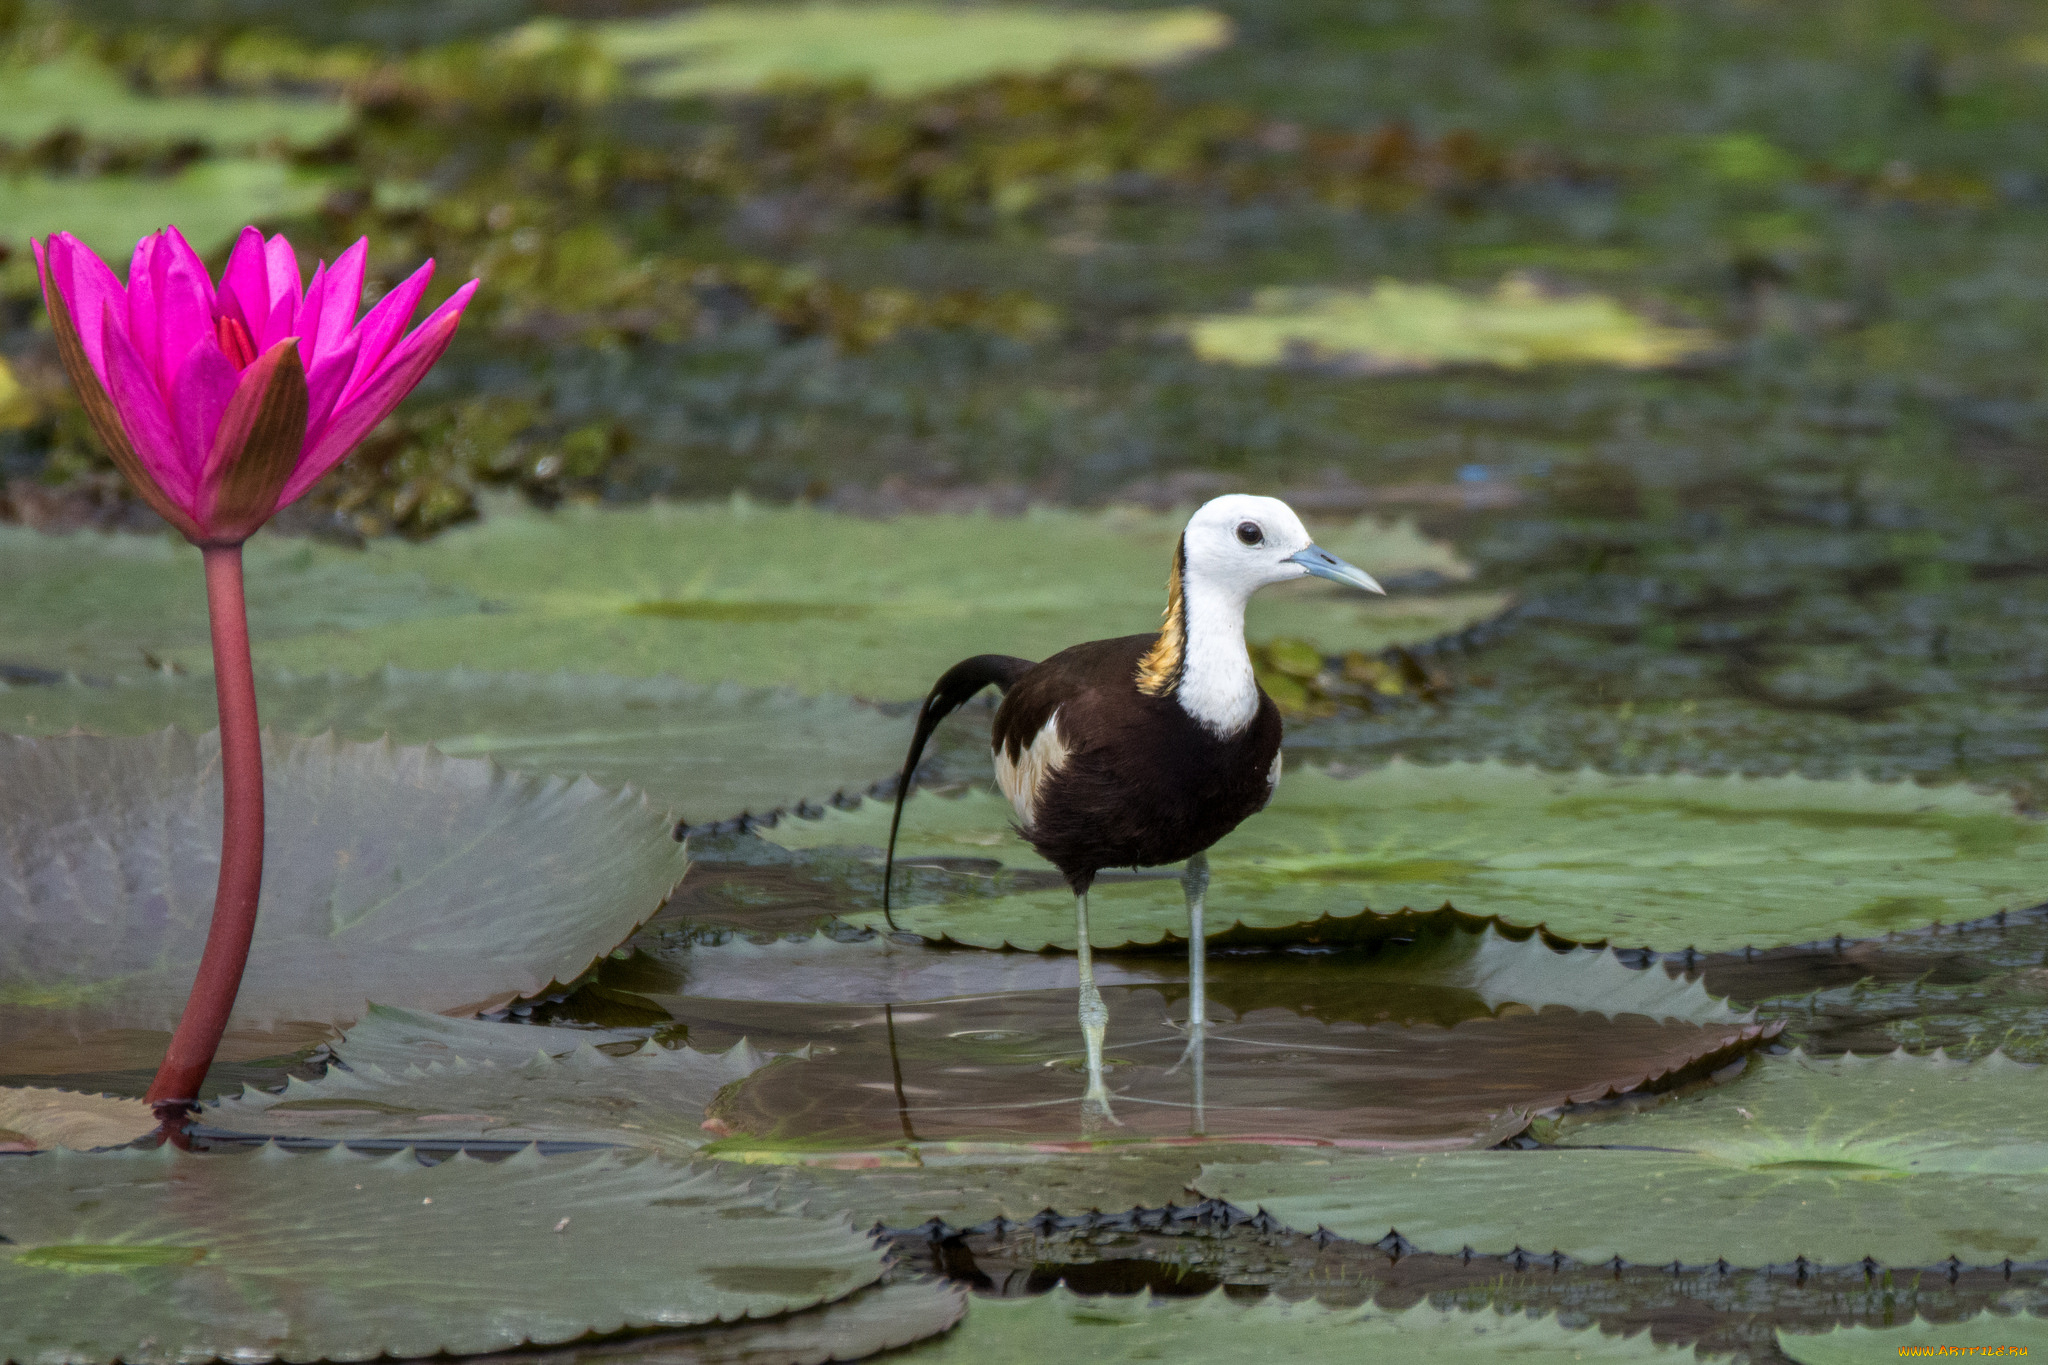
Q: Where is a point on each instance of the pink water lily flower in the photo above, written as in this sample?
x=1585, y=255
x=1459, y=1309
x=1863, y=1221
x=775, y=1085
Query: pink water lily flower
x=224, y=403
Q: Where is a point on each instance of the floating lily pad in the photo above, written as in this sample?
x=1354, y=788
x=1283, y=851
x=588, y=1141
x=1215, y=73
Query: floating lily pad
x=414, y=1076
x=1898, y=1114
x=901, y=49
x=77, y=95
x=905, y=1190
x=1903, y=1159
x=1975, y=1337
x=391, y=873
x=710, y=593
x=1006, y=1070
x=32, y=1119
x=877, y=1319
x=162, y=1256
x=1707, y=862
x=209, y=202
x=1063, y=1325
x=1397, y=328
x=1444, y=973
x=102, y=605
x=705, y=752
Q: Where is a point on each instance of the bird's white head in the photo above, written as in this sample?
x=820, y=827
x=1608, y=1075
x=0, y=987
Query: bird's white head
x=1233, y=546
x=1238, y=543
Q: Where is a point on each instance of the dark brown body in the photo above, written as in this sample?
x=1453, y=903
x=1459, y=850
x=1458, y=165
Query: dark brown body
x=1142, y=783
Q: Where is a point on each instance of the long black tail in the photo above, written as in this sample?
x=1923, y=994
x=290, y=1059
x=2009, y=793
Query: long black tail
x=958, y=683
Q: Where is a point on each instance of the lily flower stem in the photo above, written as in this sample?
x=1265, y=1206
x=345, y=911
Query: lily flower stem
x=175, y=1091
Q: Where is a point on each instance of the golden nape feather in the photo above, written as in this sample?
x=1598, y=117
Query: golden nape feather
x=1159, y=671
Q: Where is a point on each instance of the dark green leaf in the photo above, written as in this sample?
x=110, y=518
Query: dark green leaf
x=706, y=752
x=161, y=1256
x=413, y=1075
x=1671, y=862
x=394, y=874
x=1908, y=1160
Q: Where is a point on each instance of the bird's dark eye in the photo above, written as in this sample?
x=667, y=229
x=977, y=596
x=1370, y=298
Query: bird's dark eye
x=1249, y=532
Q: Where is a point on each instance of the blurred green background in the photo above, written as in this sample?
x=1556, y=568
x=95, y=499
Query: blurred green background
x=1707, y=332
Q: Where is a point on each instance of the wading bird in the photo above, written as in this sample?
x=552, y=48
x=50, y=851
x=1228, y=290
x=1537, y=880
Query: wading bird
x=1145, y=749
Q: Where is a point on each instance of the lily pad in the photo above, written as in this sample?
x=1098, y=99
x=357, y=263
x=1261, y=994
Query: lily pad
x=961, y=1189
x=1063, y=1325
x=1898, y=1114
x=32, y=1119
x=708, y=592
x=1445, y=973
x=1714, y=863
x=1397, y=328
x=1006, y=1070
x=420, y=1076
x=391, y=873
x=1973, y=1337
x=900, y=49
x=208, y=201
x=162, y=1256
x=880, y=1318
x=707, y=753
x=78, y=95
x=1903, y=1159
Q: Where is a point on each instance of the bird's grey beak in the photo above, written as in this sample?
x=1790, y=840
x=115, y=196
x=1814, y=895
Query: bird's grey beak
x=1323, y=564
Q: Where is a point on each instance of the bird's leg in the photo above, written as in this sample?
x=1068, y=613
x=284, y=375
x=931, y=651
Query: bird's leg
x=1094, y=1018
x=1195, y=882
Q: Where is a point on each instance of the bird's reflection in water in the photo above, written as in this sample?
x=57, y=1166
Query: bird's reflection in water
x=1009, y=1068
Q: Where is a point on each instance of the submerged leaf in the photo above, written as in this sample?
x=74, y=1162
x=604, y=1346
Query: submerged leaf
x=427, y=1077
x=1063, y=1325
x=708, y=753
x=162, y=1256
x=1396, y=328
x=392, y=873
x=32, y=1119
x=1907, y=1160
x=899, y=48
x=1713, y=863
x=1007, y=1070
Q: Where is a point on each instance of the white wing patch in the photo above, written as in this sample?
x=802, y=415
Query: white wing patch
x=1023, y=778
x=1273, y=776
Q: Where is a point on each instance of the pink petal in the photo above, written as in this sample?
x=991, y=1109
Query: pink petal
x=344, y=295
x=184, y=297
x=309, y=314
x=143, y=416
x=143, y=313
x=371, y=404
x=284, y=315
x=284, y=274
x=384, y=324
x=185, y=259
x=245, y=285
x=88, y=286
x=204, y=385
x=324, y=383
